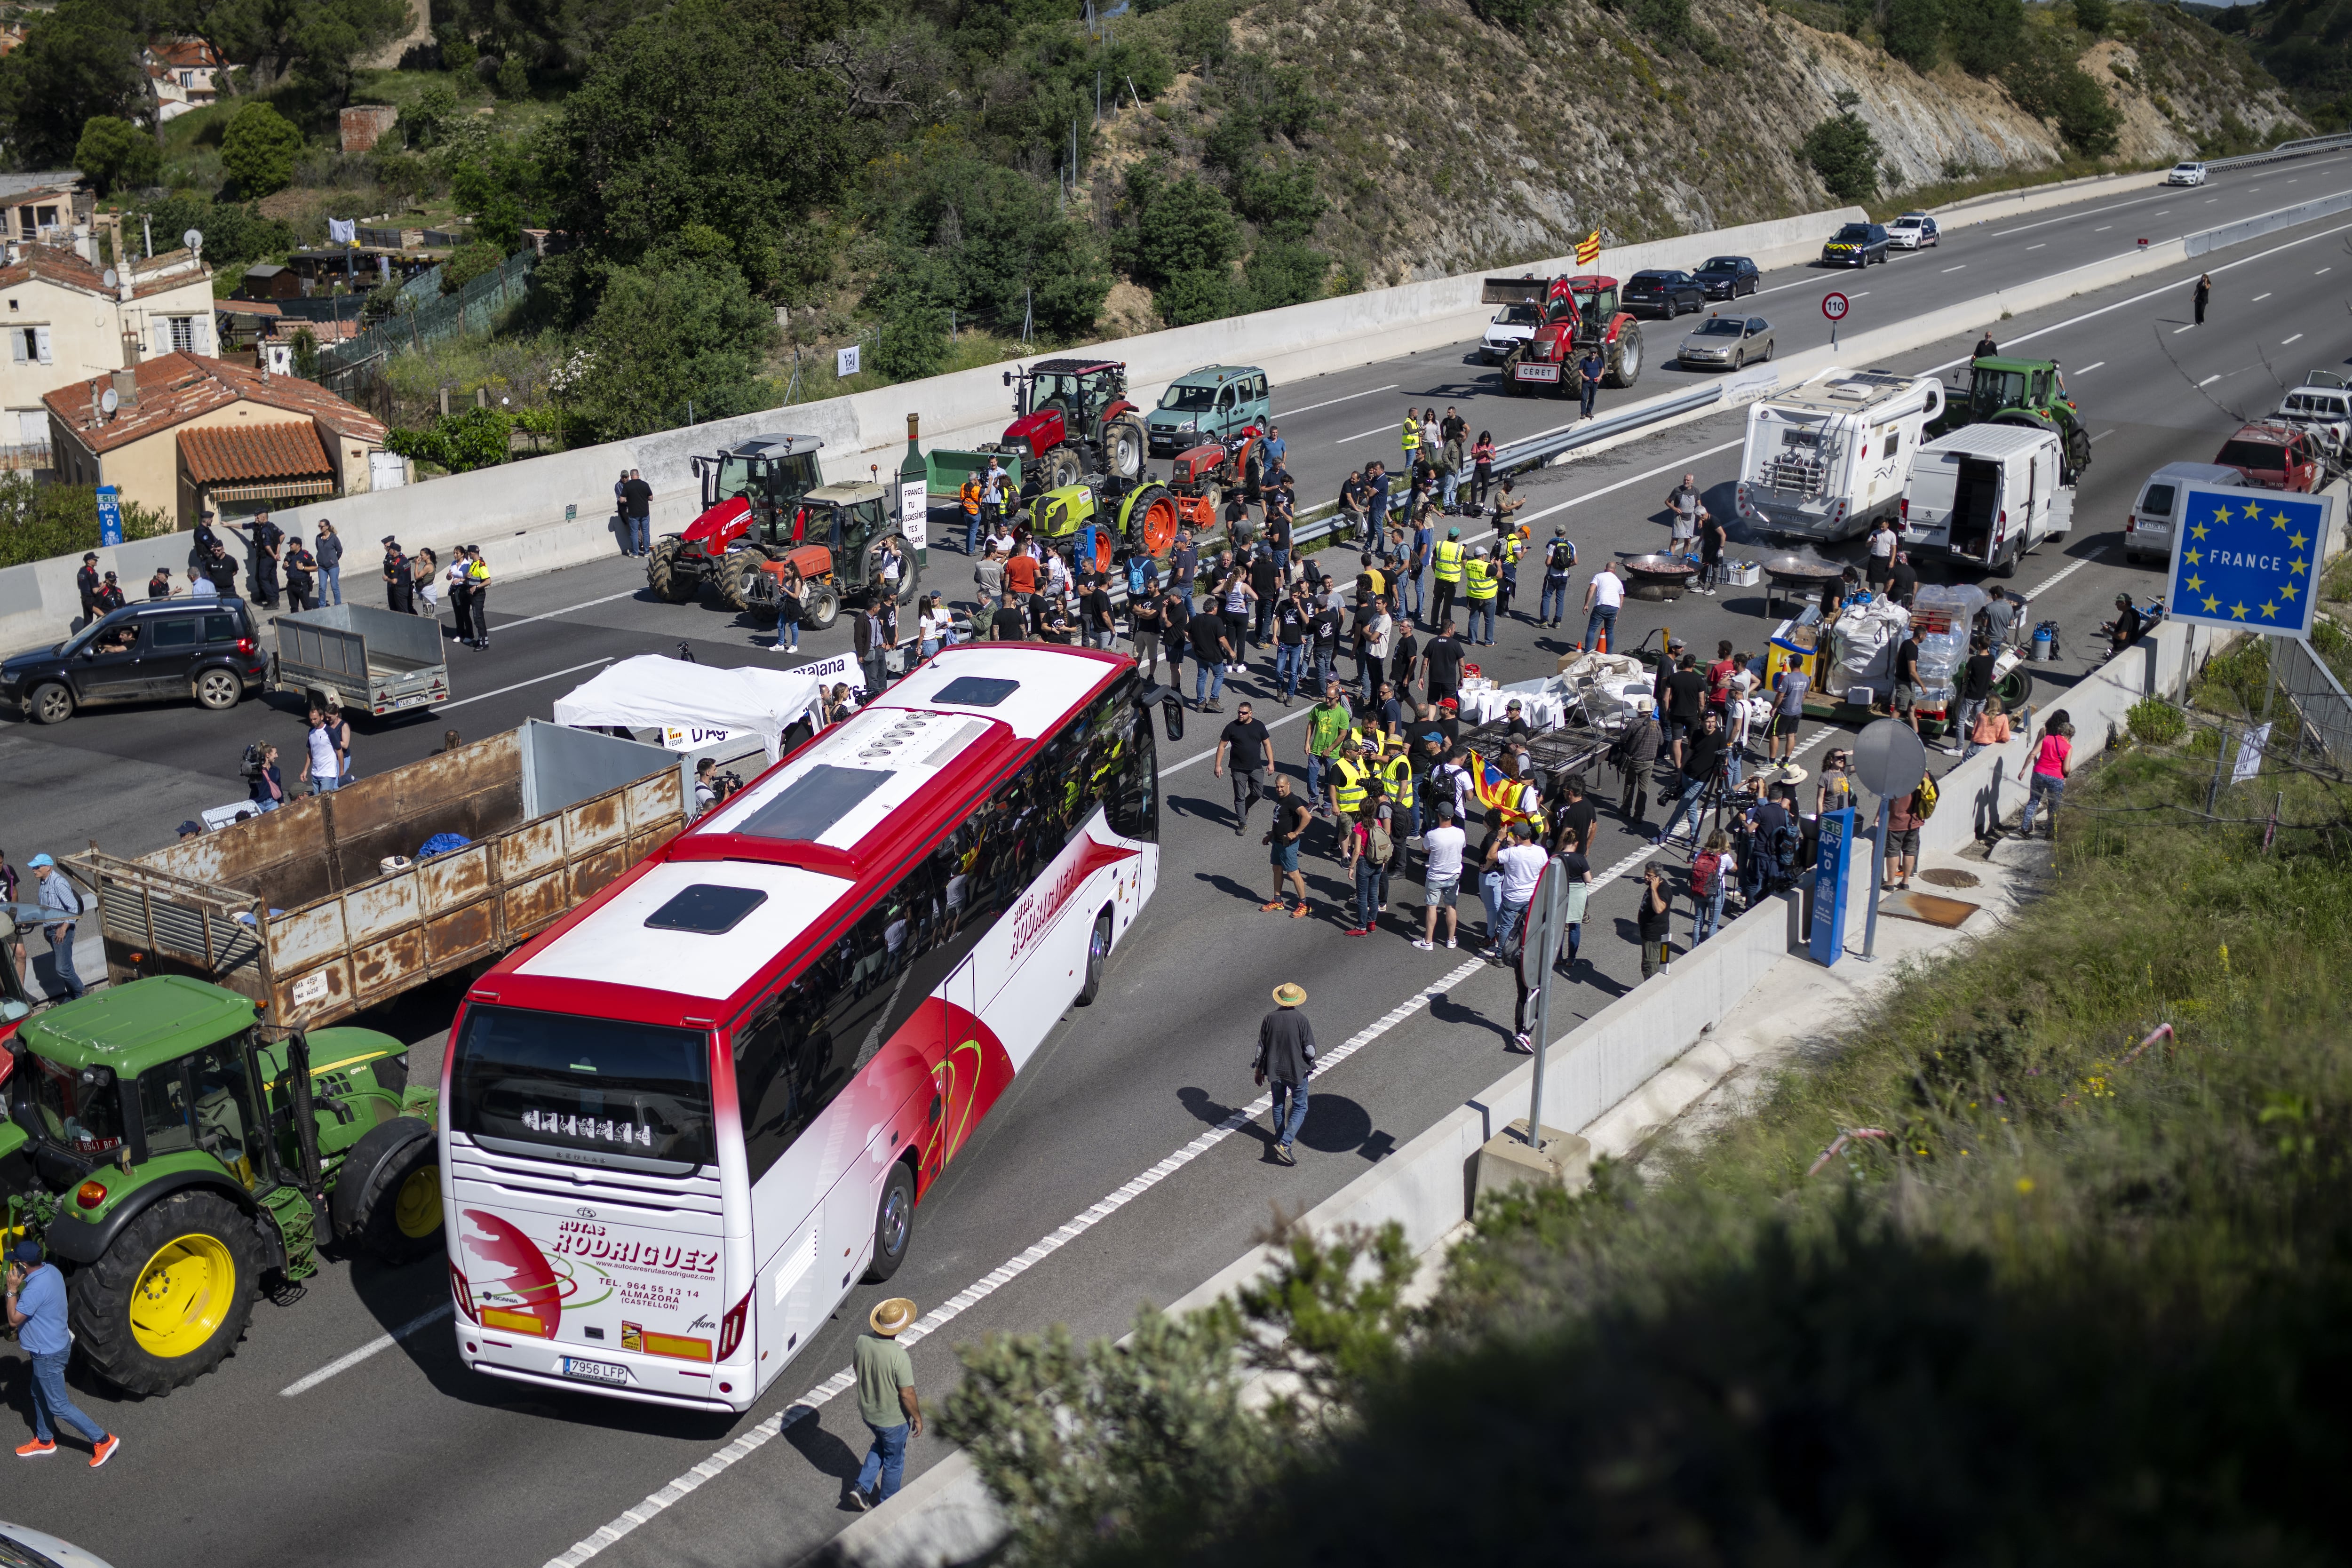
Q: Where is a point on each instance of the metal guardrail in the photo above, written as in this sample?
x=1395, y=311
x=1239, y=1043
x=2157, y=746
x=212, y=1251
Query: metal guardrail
x=1536, y=450
x=2318, y=696
x=2265, y=223
x=2283, y=151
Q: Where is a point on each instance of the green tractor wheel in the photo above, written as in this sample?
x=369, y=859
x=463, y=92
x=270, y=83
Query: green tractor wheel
x=171, y=1296
x=387, y=1193
x=1149, y=522
x=664, y=576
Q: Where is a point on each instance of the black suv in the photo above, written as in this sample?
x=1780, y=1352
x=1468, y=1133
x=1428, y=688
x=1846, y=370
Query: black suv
x=164, y=649
x=1856, y=245
x=1728, y=277
x=1668, y=293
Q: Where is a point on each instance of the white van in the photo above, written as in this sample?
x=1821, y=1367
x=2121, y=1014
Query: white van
x=2147, y=533
x=1829, y=459
x=1987, y=494
x=2323, y=408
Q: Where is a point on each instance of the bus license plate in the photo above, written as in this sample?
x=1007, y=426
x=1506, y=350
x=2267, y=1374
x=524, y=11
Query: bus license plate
x=1539, y=373
x=594, y=1371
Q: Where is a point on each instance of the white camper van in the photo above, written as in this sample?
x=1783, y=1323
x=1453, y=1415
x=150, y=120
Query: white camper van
x=1985, y=494
x=1827, y=460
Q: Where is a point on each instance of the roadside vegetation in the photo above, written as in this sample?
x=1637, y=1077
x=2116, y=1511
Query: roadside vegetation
x=2070, y=1287
x=40, y=521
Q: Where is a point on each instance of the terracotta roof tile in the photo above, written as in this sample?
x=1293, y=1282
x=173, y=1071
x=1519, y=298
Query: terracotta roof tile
x=219, y=453
x=174, y=389
x=55, y=264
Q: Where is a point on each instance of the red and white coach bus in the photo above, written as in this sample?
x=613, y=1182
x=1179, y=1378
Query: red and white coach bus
x=679, y=1125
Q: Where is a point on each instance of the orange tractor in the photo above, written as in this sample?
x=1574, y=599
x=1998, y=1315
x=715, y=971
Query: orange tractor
x=1578, y=313
x=1199, y=477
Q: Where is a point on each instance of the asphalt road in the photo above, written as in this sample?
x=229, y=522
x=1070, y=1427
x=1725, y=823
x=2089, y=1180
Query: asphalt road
x=442, y=1464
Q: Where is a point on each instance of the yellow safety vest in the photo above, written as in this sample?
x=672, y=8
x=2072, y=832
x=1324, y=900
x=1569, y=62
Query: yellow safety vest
x=1511, y=548
x=1398, y=774
x=1449, y=561
x=1511, y=814
x=1348, y=796
x=1412, y=435
x=1482, y=580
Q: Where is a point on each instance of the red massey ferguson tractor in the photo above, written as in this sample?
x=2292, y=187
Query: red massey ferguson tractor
x=1072, y=421
x=1578, y=313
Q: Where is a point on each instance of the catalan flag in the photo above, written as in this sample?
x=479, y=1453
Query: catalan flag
x=1497, y=790
x=1588, y=249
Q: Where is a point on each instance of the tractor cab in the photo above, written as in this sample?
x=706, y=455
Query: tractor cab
x=1060, y=399
x=769, y=473
x=2028, y=392
x=845, y=519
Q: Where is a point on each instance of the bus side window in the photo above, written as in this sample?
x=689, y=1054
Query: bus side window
x=772, y=1072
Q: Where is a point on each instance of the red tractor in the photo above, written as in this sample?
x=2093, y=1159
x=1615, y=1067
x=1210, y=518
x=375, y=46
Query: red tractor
x=1578, y=313
x=1073, y=421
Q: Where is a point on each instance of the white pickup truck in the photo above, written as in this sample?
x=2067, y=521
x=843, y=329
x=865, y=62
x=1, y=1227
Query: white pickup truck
x=1827, y=460
x=1987, y=494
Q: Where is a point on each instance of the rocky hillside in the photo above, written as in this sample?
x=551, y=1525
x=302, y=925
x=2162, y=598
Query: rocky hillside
x=1454, y=141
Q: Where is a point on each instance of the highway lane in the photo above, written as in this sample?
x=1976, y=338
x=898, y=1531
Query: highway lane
x=1162, y=1057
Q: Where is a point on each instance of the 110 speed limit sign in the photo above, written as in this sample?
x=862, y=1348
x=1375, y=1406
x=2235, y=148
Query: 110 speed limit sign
x=1834, y=306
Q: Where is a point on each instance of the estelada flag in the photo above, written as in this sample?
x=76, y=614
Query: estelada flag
x=1588, y=249
x=1494, y=788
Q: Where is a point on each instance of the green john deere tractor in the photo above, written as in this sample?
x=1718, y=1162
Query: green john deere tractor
x=2003, y=391
x=177, y=1158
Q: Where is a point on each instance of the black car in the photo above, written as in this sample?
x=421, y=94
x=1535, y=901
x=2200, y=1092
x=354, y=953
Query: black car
x=1856, y=245
x=206, y=650
x=1668, y=293
x=1728, y=277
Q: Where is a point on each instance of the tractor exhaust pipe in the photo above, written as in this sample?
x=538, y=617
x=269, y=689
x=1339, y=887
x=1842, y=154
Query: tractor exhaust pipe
x=304, y=1108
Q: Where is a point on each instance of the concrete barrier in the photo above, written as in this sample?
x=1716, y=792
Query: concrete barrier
x=2063, y=193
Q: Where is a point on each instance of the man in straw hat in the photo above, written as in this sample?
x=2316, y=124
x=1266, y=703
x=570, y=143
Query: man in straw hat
x=1285, y=1053
x=885, y=1399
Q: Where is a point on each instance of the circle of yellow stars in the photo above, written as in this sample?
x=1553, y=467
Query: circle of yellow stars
x=2195, y=583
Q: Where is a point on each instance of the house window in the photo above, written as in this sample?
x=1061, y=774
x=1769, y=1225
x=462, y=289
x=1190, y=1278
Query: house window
x=29, y=345
x=187, y=79
x=45, y=217
x=183, y=334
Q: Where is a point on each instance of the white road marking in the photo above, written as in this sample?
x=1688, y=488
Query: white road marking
x=1331, y=402
x=2178, y=330
x=2070, y=217
x=2210, y=200
x=2208, y=381
x=2260, y=298
x=382, y=1342
x=2322, y=271
x=2037, y=246
x=840, y=1383
x=551, y=615
x=518, y=686
x=1637, y=479
x=2060, y=576
x=2087, y=369
x=2102, y=228
x=2101, y=434
x=2166, y=212
x=1962, y=268
x=1271, y=724
x=1361, y=433
x=2284, y=341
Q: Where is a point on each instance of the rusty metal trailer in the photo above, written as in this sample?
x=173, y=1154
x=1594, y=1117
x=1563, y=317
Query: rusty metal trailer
x=323, y=906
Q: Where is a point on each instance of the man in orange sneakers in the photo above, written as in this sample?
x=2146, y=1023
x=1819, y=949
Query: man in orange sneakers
x=37, y=1310
x=1291, y=817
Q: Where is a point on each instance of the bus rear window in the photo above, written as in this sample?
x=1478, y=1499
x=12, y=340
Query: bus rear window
x=589, y=1090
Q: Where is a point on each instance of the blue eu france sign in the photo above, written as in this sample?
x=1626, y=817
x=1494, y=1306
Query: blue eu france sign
x=2249, y=559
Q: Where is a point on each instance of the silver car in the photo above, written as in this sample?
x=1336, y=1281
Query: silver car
x=1512, y=325
x=1726, y=342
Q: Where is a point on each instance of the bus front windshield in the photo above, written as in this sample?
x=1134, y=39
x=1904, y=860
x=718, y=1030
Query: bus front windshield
x=589, y=1090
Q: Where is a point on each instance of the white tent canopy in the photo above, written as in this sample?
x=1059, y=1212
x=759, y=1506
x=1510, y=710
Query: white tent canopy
x=657, y=692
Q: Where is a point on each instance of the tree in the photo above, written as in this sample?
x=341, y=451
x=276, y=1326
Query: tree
x=679, y=330
x=1985, y=35
x=914, y=342
x=473, y=260
x=77, y=62
x=259, y=150
x=2065, y=95
x=706, y=114
x=2093, y=16
x=1915, y=31
x=1182, y=228
x=319, y=40
x=1284, y=272
x=1280, y=198
x=514, y=78
x=1844, y=152
x=114, y=153
x=233, y=235
x=560, y=37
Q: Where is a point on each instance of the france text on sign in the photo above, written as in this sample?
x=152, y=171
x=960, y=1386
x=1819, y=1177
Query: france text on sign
x=2249, y=559
x=1834, y=306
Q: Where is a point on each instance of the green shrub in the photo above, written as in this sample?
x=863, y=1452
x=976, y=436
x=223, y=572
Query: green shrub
x=514, y=77
x=2154, y=722
x=1985, y=35
x=471, y=438
x=114, y=154
x=37, y=522
x=2066, y=95
x=1519, y=15
x=1915, y=31
x=259, y=149
x=475, y=258
x=1198, y=295
x=1845, y=155
x=2093, y=16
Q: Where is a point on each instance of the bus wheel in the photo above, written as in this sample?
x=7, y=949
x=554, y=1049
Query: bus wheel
x=894, y=1224
x=1098, y=955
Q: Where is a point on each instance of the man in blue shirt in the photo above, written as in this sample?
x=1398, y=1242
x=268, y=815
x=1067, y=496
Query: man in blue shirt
x=37, y=1310
x=1274, y=445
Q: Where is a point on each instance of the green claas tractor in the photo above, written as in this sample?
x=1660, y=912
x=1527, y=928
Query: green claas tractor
x=1145, y=521
x=176, y=1157
x=2029, y=391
